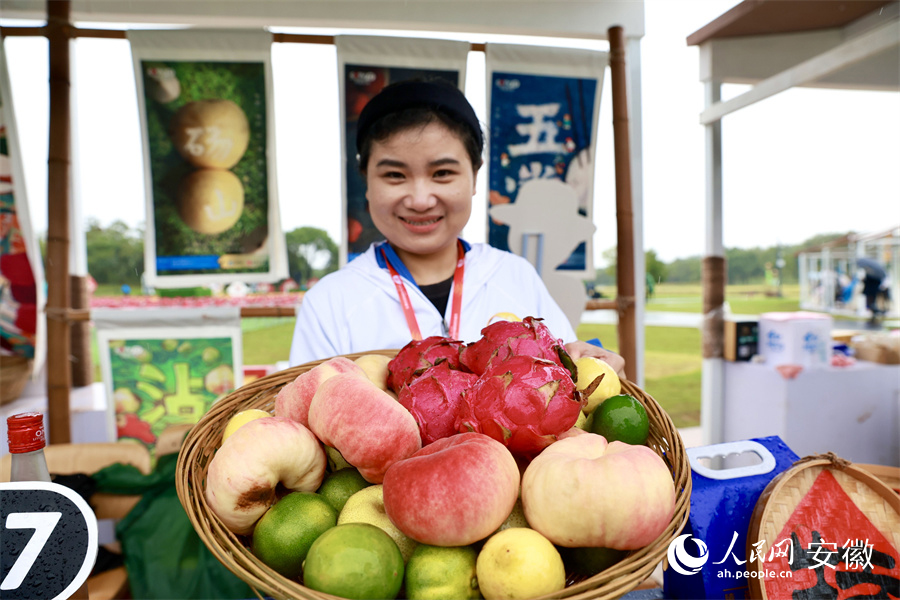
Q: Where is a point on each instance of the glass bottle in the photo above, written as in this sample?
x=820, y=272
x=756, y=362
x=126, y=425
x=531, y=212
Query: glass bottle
x=25, y=433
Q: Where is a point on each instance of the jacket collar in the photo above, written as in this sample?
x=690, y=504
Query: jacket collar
x=397, y=263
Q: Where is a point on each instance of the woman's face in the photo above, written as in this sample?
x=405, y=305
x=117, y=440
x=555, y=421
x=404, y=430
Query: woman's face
x=420, y=184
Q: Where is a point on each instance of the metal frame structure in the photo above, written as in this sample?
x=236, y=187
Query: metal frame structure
x=316, y=21
x=776, y=45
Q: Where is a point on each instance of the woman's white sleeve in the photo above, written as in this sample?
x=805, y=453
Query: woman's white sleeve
x=311, y=340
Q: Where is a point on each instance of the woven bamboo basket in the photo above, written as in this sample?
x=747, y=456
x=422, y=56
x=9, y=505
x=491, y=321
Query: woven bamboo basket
x=232, y=550
x=14, y=374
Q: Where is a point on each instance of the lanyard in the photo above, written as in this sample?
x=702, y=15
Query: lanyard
x=456, y=302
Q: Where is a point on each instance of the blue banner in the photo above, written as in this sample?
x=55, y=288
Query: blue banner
x=541, y=127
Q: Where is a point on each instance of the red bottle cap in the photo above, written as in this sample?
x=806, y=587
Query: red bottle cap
x=25, y=432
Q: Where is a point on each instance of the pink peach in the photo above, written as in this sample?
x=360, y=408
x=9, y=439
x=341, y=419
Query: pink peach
x=364, y=423
x=454, y=491
x=292, y=401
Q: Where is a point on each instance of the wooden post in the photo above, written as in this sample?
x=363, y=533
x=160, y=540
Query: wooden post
x=80, y=331
x=59, y=379
x=624, y=216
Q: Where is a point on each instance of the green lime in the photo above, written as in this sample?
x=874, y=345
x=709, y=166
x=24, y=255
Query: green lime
x=356, y=561
x=340, y=485
x=284, y=534
x=437, y=573
x=621, y=418
x=590, y=561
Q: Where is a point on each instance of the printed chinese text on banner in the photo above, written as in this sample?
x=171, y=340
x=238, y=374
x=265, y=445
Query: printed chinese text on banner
x=366, y=65
x=21, y=272
x=205, y=101
x=165, y=367
x=543, y=105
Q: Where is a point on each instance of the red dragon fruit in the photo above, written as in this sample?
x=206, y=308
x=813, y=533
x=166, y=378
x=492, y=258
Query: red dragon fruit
x=504, y=339
x=523, y=402
x=434, y=399
x=418, y=355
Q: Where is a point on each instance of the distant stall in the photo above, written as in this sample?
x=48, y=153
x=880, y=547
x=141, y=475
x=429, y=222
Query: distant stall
x=830, y=274
x=775, y=46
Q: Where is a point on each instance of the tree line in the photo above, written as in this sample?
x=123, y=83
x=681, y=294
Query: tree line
x=115, y=255
x=743, y=265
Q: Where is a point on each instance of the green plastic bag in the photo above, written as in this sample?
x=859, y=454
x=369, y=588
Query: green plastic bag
x=164, y=556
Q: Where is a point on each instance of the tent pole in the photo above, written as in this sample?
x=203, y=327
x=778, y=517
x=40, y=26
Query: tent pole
x=59, y=379
x=624, y=215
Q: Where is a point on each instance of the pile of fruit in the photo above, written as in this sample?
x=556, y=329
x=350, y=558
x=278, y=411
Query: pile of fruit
x=452, y=470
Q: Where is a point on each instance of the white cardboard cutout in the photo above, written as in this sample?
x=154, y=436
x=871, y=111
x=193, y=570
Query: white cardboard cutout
x=548, y=208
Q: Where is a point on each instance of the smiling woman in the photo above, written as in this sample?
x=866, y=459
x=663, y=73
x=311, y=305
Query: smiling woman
x=420, y=146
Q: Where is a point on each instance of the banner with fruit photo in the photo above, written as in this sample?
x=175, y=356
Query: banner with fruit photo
x=21, y=274
x=165, y=367
x=366, y=65
x=207, y=122
x=543, y=104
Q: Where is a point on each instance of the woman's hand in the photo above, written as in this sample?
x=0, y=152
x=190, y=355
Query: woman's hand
x=578, y=349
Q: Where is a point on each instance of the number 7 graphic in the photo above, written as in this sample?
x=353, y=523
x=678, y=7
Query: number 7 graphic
x=43, y=524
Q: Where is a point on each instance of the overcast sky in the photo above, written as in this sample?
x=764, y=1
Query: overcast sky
x=799, y=164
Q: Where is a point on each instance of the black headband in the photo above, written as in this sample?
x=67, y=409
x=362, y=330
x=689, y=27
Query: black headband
x=438, y=95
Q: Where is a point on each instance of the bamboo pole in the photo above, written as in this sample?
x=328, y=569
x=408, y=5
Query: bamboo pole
x=624, y=217
x=81, y=362
x=59, y=378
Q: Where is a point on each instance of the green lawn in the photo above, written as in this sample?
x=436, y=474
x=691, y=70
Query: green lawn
x=672, y=368
x=673, y=357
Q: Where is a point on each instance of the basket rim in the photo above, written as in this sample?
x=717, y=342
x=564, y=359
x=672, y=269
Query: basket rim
x=205, y=437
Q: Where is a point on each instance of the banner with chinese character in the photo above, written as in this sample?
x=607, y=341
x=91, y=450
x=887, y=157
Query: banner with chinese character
x=166, y=367
x=543, y=105
x=21, y=273
x=366, y=65
x=207, y=122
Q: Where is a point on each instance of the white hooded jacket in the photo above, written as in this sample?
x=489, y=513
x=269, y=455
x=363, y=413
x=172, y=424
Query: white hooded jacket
x=357, y=308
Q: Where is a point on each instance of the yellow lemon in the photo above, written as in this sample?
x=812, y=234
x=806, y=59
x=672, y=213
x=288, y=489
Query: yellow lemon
x=367, y=506
x=581, y=421
x=438, y=573
x=503, y=316
x=590, y=368
x=376, y=368
x=519, y=563
x=241, y=418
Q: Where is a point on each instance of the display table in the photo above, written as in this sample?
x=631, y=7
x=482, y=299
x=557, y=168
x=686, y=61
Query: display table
x=852, y=411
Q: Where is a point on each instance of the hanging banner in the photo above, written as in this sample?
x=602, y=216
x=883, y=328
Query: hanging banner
x=543, y=105
x=21, y=273
x=165, y=367
x=206, y=110
x=366, y=65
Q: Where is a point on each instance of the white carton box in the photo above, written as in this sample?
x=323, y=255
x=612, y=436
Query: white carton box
x=795, y=338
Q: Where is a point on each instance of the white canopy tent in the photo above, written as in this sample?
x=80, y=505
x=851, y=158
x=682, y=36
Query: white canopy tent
x=775, y=45
x=314, y=21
